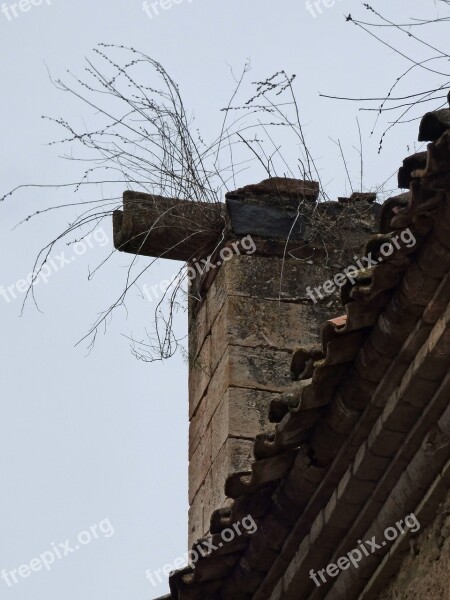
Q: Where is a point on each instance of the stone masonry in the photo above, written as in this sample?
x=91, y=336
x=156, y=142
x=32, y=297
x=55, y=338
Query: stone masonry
x=243, y=331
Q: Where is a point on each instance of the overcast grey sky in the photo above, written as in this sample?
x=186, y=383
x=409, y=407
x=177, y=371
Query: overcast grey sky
x=88, y=438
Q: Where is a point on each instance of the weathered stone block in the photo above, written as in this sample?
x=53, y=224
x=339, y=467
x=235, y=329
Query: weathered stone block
x=280, y=325
x=242, y=413
x=272, y=277
x=265, y=220
x=199, y=465
x=198, y=426
x=199, y=376
x=199, y=329
x=260, y=368
x=217, y=294
x=196, y=517
x=212, y=388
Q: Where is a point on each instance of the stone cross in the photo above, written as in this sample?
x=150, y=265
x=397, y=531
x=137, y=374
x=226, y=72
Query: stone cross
x=248, y=316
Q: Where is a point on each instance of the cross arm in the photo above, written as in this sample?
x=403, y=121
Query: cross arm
x=151, y=225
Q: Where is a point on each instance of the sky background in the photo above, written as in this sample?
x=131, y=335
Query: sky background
x=91, y=436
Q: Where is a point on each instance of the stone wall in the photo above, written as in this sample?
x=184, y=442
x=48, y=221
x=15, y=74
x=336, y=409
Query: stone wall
x=241, y=341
